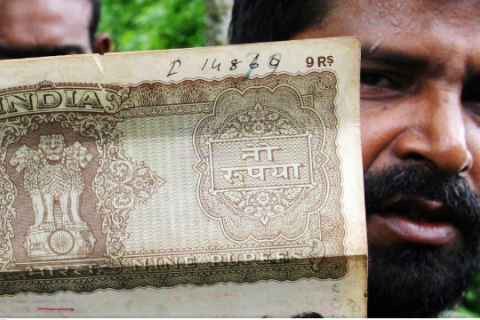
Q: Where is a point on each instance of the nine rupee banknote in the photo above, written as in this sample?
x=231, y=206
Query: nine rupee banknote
x=200, y=182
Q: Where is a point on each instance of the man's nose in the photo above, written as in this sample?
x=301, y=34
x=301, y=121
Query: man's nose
x=436, y=133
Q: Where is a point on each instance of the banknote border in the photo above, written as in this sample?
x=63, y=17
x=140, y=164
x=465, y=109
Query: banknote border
x=119, y=279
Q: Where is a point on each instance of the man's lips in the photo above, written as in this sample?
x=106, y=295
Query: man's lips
x=418, y=221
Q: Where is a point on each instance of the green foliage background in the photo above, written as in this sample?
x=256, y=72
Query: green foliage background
x=166, y=24
x=153, y=24
x=471, y=303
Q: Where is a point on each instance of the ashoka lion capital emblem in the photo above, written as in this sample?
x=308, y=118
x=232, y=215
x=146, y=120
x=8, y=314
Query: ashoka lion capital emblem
x=53, y=175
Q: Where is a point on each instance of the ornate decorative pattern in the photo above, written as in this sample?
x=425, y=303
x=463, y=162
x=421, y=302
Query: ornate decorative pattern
x=119, y=186
x=259, y=121
x=264, y=205
x=174, y=110
x=275, y=196
x=119, y=101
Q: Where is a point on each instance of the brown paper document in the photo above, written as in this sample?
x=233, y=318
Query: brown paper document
x=201, y=182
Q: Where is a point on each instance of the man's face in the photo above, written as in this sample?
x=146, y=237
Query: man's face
x=420, y=113
x=34, y=28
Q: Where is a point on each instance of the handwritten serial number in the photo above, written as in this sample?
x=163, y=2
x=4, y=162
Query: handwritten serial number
x=253, y=59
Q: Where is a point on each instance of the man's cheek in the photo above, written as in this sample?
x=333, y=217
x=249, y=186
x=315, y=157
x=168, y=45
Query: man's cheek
x=473, y=143
x=375, y=138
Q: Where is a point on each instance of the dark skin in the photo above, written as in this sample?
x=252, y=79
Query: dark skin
x=420, y=100
x=38, y=28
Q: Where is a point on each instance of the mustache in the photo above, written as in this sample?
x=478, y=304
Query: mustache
x=411, y=182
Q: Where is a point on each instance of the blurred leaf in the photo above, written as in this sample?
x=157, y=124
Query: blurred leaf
x=153, y=24
x=471, y=302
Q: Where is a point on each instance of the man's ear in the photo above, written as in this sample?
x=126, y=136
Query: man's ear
x=102, y=44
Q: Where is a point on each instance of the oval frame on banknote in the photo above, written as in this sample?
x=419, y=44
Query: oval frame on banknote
x=260, y=117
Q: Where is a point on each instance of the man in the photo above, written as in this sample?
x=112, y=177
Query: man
x=39, y=28
x=420, y=113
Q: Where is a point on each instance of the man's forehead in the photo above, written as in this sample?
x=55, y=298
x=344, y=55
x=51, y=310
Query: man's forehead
x=390, y=8
x=428, y=29
x=405, y=16
x=28, y=23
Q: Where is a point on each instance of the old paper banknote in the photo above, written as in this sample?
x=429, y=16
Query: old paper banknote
x=203, y=182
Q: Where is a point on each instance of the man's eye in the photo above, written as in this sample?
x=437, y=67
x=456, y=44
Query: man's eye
x=377, y=79
x=471, y=95
x=380, y=85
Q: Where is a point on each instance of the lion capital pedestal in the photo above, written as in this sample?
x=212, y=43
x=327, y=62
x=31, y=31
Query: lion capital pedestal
x=60, y=242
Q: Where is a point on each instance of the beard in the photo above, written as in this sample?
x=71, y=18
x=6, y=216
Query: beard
x=412, y=280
